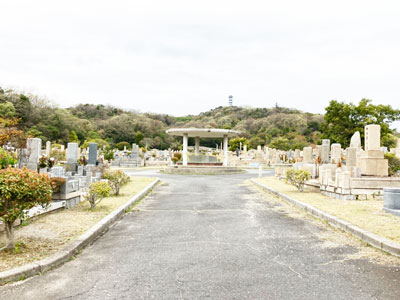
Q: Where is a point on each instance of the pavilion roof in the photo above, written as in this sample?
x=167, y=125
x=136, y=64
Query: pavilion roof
x=203, y=132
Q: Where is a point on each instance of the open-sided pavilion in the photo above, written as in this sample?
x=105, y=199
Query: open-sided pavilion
x=198, y=133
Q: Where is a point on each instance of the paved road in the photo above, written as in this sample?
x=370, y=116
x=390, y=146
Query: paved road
x=202, y=237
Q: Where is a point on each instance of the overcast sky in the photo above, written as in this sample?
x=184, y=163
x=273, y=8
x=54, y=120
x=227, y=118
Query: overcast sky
x=185, y=57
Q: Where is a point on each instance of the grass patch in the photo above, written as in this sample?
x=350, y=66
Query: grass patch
x=40, y=237
x=367, y=214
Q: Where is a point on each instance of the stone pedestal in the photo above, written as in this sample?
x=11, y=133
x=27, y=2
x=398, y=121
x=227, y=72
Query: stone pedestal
x=372, y=163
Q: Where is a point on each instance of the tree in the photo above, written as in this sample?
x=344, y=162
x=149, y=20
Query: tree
x=121, y=145
x=280, y=143
x=7, y=110
x=73, y=137
x=342, y=120
x=255, y=141
x=235, y=143
x=20, y=190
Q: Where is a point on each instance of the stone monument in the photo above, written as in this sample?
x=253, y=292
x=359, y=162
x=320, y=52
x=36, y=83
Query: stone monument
x=34, y=147
x=372, y=161
x=92, y=154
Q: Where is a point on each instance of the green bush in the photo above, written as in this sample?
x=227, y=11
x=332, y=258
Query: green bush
x=7, y=159
x=97, y=191
x=20, y=190
x=116, y=179
x=109, y=155
x=394, y=163
x=297, y=178
x=120, y=146
x=178, y=155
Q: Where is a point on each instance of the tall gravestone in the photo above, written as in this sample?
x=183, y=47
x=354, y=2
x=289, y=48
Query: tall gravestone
x=72, y=153
x=355, y=141
x=34, y=147
x=336, y=153
x=48, y=148
x=92, y=154
x=372, y=161
x=72, y=156
x=351, y=157
x=325, y=148
x=307, y=155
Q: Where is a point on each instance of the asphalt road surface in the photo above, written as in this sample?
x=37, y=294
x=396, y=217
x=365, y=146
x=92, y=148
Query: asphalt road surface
x=215, y=237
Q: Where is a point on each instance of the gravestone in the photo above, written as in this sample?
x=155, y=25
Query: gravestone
x=307, y=155
x=355, y=141
x=92, y=154
x=351, y=157
x=326, y=142
x=372, y=161
x=372, y=137
x=325, y=153
x=34, y=147
x=336, y=153
x=48, y=148
x=398, y=148
x=296, y=154
x=72, y=153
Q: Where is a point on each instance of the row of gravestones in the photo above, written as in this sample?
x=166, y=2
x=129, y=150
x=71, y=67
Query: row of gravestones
x=369, y=162
x=75, y=183
x=123, y=159
x=34, y=148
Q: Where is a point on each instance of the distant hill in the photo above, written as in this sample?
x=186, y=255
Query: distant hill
x=262, y=126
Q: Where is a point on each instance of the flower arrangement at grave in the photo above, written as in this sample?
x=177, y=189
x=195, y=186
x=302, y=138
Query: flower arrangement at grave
x=43, y=162
x=51, y=162
x=82, y=161
x=20, y=190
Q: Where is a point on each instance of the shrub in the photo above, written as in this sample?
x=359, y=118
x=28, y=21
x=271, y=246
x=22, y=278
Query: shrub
x=97, y=191
x=297, y=178
x=20, y=190
x=56, y=183
x=7, y=159
x=109, y=155
x=394, y=163
x=116, y=179
x=178, y=155
x=121, y=145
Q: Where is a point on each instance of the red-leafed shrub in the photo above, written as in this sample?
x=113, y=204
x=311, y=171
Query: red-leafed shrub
x=20, y=190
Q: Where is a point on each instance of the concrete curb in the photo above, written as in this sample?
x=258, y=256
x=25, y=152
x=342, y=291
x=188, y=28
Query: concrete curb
x=77, y=245
x=370, y=238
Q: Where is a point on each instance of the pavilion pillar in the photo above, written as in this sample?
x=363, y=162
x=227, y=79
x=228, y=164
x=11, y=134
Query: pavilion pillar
x=197, y=145
x=185, y=147
x=225, y=163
